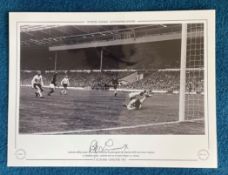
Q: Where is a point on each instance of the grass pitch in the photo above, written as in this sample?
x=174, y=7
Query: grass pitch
x=99, y=112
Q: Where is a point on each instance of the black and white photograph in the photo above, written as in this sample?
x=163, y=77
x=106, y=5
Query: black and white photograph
x=112, y=79
x=118, y=89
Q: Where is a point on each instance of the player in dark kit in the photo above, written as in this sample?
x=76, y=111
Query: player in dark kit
x=115, y=85
x=53, y=84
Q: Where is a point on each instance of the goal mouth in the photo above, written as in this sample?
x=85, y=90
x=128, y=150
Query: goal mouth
x=191, y=105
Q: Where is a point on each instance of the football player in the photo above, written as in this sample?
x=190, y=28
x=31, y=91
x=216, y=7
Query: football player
x=136, y=100
x=65, y=83
x=53, y=84
x=37, y=84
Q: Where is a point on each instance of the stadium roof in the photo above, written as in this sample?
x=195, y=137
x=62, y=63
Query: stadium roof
x=57, y=35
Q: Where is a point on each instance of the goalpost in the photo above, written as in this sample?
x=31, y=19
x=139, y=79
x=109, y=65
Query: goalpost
x=191, y=96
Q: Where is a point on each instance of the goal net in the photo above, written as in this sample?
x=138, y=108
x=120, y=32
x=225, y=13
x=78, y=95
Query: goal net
x=192, y=72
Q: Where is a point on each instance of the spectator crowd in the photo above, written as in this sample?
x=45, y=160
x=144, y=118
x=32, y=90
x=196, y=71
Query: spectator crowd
x=154, y=80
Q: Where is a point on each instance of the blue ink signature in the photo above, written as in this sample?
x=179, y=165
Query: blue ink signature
x=108, y=146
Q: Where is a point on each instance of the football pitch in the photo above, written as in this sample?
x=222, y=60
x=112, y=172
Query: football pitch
x=100, y=112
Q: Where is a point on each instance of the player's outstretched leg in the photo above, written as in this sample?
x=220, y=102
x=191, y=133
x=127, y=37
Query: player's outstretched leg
x=40, y=93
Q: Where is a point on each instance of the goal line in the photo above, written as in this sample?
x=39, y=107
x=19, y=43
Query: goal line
x=116, y=128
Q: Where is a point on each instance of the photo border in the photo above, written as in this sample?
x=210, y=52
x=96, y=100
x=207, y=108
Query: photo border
x=17, y=156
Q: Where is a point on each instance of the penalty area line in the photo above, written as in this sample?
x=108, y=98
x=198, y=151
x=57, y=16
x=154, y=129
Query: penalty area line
x=113, y=128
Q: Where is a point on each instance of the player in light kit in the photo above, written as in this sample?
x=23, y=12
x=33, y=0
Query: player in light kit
x=53, y=84
x=37, y=84
x=65, y=83
x=136, y=100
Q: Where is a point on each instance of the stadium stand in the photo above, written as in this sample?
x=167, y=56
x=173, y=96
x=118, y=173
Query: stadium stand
x=154, y=80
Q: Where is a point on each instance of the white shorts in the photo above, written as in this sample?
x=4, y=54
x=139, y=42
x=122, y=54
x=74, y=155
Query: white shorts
x=52, y=86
